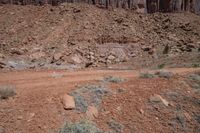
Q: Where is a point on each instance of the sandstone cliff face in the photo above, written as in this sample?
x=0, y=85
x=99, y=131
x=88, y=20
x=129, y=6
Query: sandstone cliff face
x=197, y=6
x=149, y=6
x=173, y=6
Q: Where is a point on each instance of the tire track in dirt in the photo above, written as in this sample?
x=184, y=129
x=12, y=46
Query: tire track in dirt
x=45, y=78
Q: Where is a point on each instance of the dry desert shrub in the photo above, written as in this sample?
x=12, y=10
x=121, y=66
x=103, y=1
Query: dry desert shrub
x=7, y=91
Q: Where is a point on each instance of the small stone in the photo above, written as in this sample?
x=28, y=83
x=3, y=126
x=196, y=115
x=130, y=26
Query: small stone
x=91, y=53
x=166, y=49
x=119, y=108
x=2, y=64
x=119, y=20
x=76, y=59
x=68, y=102
x=31, y=115
x=71, y=43
x=57, y=56
x=76, y=10
x=37, y=55
x=158, y=98
x=133, y=55
x=146, y=48
x=102, y=55
x=1, y=56
x=108, y=62
x=154, y=99
x=19, y=118
x=12, y=13
x=92, y=57
x=187, y=116
x=141, y=111
x=88, y=64
x=16, y=51
x=92, y=112
x=191, y=45
x=111, y=57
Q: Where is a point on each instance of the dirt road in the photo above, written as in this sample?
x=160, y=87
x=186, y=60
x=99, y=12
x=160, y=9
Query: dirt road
x=32, y=79
x=37, y=107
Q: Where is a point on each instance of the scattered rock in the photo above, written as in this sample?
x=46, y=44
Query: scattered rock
x=2, y=56
x=2, y=64
x=88, y=64
x=141, y=111
x=71, y=43
x=16, y=51
x=119, y=20
x=18, y=64
x=166, y=49
x=111, y=57
x=37, y=55
x=76, y=59
x=157, y=98
x=57, y=56
x=187, y=116
x=146, y=48
x=75, y=10
x=91, y=53
x=19, y=117
x=31, y=115
x=68, y=102
x=92, y=112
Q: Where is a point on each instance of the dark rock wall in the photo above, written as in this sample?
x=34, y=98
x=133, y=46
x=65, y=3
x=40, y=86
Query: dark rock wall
x=151, y=6
x=173, y=6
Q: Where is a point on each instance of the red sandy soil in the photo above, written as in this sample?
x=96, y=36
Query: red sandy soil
x=37, y=107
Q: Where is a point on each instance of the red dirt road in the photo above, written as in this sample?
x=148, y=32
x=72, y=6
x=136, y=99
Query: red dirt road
x=37, y=108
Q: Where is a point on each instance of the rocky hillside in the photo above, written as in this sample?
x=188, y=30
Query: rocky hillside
x=149, y=6
x=81, y=35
